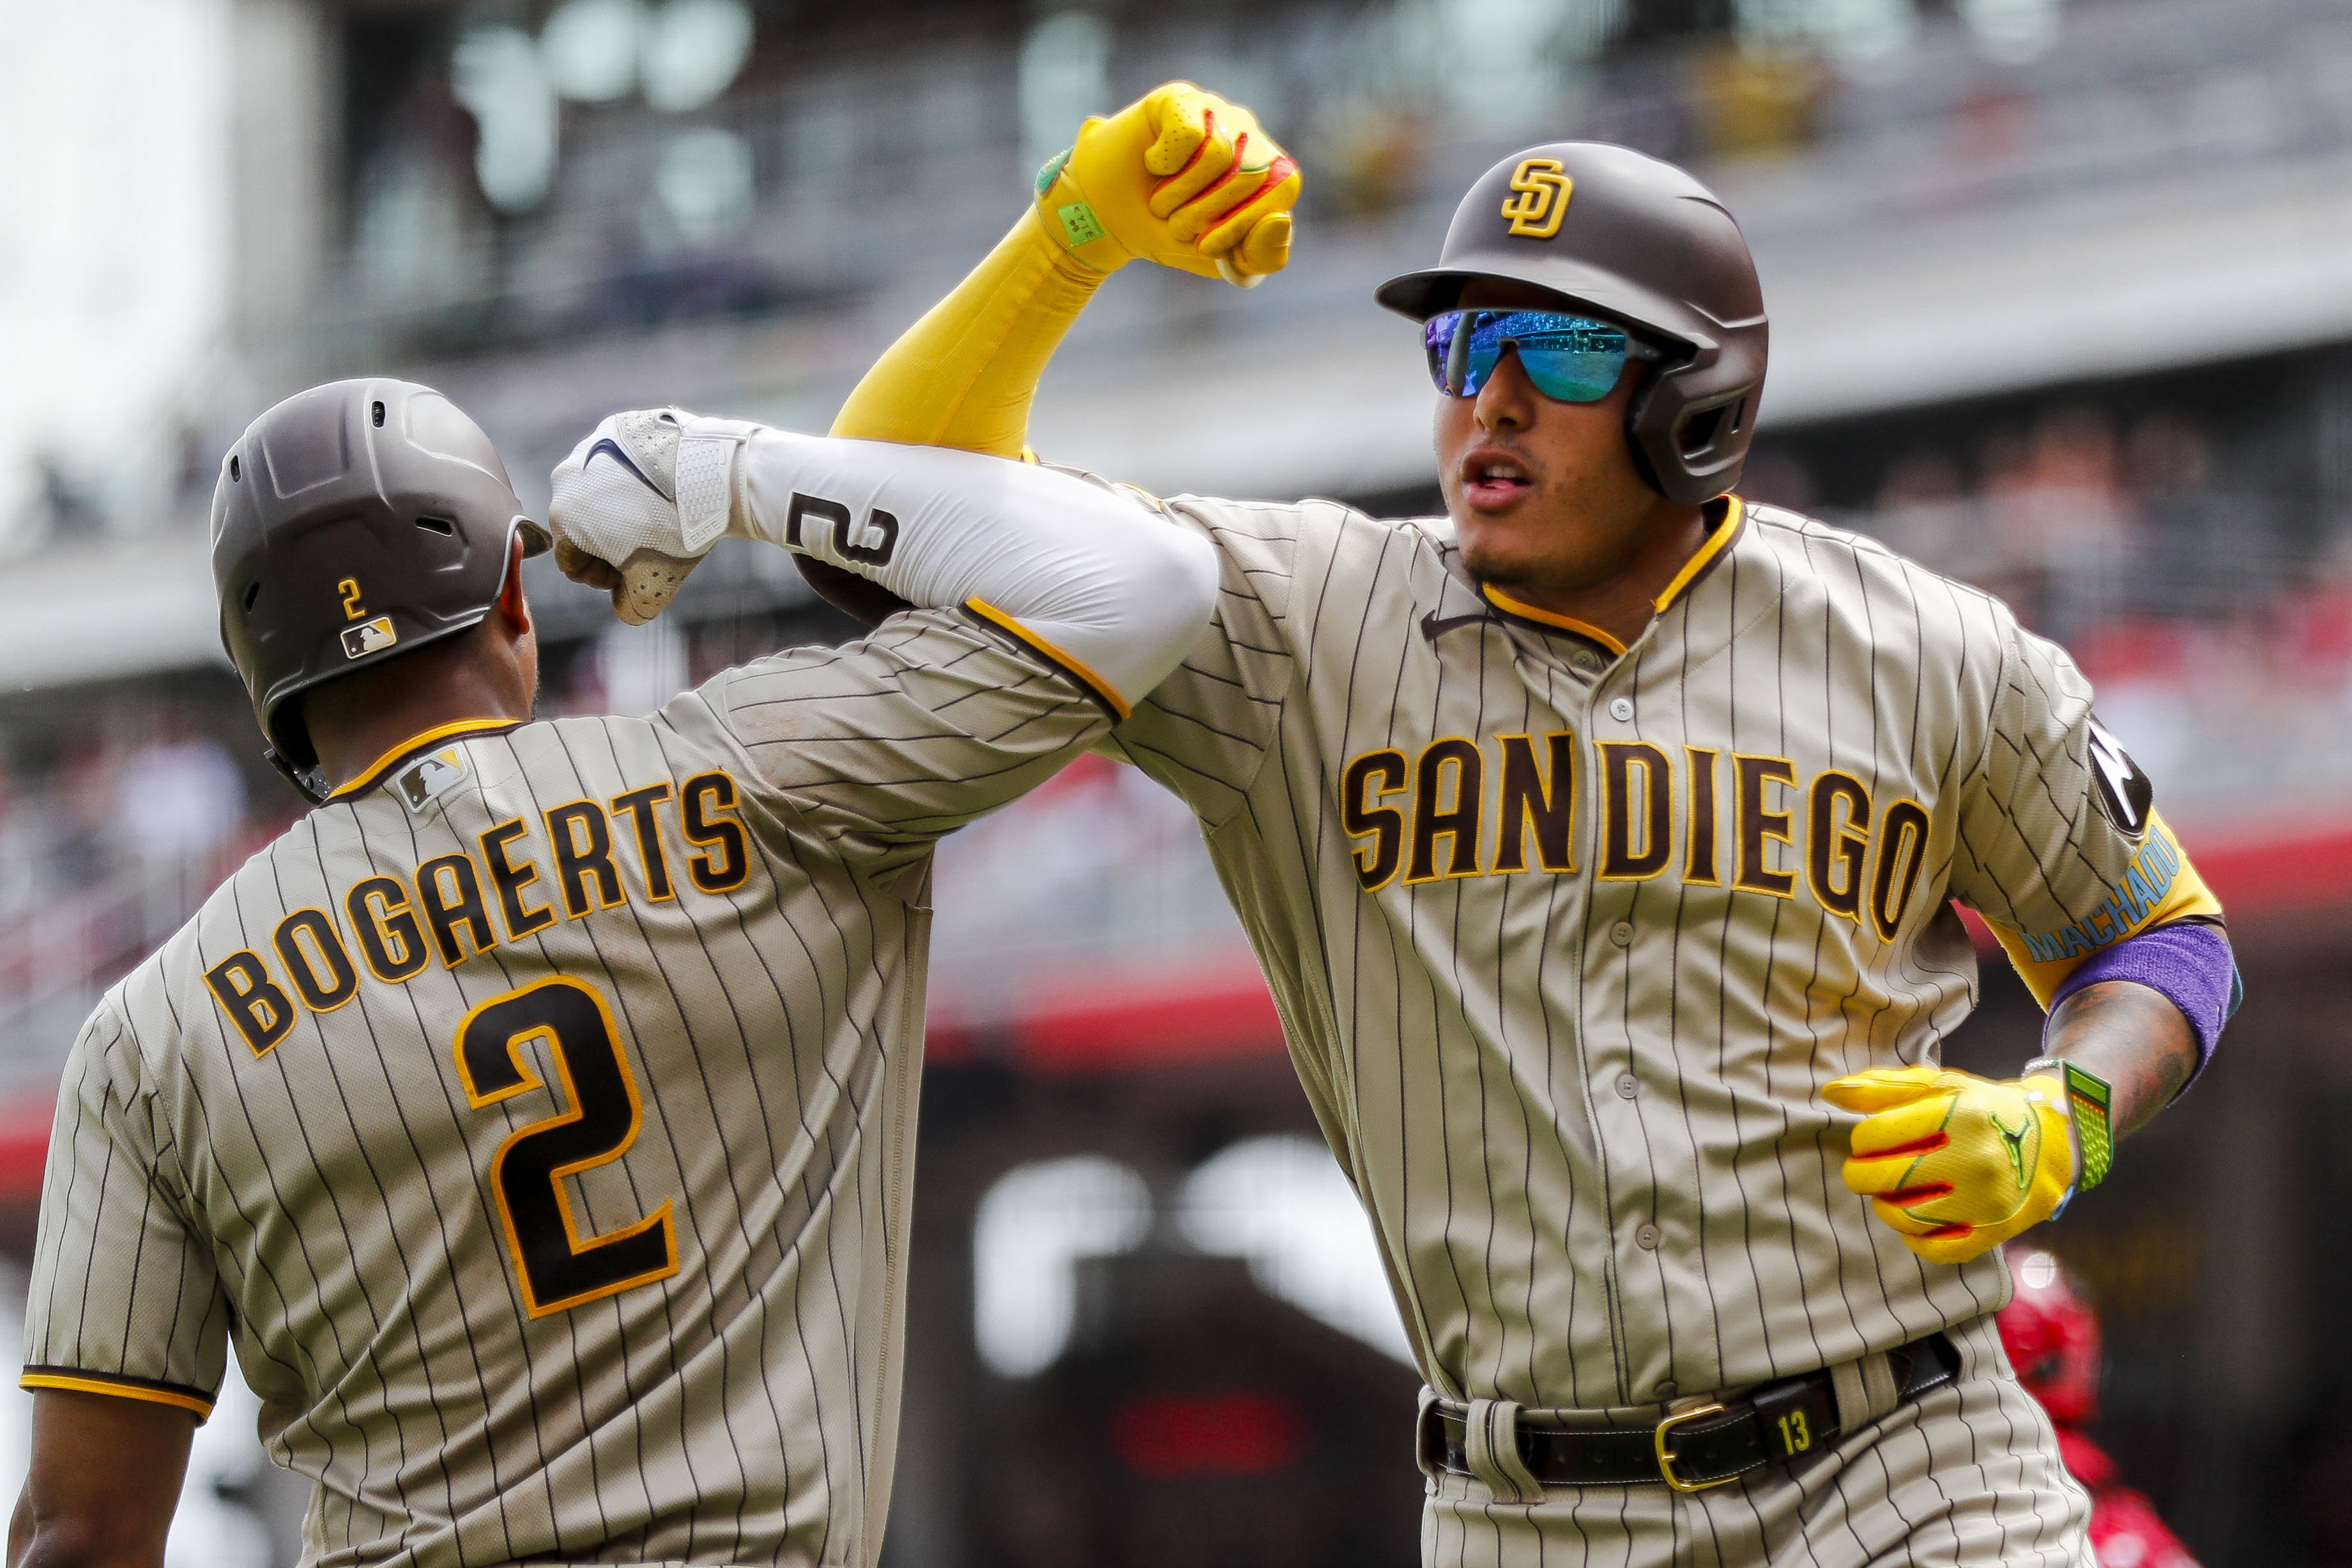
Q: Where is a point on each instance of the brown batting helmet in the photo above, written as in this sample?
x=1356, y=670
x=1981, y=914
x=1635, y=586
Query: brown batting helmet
x=353, y=523
x=1639, y=241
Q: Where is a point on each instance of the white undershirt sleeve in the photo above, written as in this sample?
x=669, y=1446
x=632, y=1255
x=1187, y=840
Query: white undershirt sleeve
x=1090, y=579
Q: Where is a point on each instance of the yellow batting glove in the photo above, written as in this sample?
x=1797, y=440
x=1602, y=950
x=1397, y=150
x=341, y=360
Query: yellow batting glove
x=1956, y=1163
x=1180, y=177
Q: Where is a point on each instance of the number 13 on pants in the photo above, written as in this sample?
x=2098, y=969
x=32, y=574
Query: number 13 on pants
x=558, y=1267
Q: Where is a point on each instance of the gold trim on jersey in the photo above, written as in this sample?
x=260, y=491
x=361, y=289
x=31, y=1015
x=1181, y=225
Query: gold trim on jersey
x=377, y=929
x=1718, y=540
x=1760, y=827
x=1702, y=865
x=1734, y=514
x=510, y=881
x=1899, y=850
x=465, y=909
x=718, y=826
x=1460, y=822
x=1525, y=800
x=451, y=908
x=1510, y=606
x=407, y=749
x=1828, y=846
x=1856, y=862
x=259, y=1008
x=73, y=1380
x=575, y=1110
x=1620, y=861
x=653, y=859
x=342, y=974
x=1068, y=664
x=1364, y=817
x=575, y=867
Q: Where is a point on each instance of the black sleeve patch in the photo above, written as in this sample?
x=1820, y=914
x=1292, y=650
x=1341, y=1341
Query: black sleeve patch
x=2123, y=792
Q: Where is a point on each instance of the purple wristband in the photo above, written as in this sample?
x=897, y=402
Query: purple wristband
x=2189, y=963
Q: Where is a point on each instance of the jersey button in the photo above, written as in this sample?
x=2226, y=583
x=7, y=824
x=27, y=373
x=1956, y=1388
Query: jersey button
x=1647, y=1237
x=1585, y=659
x=1622, y=710
x=1665, y=1389
x=1626, y=1086
x=1622, y=934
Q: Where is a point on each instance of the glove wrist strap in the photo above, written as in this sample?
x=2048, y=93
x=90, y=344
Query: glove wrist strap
x=2090, y=1102
x=1070, y=219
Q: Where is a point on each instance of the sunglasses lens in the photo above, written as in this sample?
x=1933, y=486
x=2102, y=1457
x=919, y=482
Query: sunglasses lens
x=1573, y=375
x=1572, y=358
x=1448, y=342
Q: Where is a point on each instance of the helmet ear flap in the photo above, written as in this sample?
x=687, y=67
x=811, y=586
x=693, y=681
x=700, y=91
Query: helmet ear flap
x=1702, y=430
x=1636, y=414
x=308, y=782
x=1689, y=449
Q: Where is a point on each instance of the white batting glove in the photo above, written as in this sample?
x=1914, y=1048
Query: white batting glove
x=640, y=501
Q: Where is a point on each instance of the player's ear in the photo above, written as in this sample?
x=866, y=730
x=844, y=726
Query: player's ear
x=511, y=602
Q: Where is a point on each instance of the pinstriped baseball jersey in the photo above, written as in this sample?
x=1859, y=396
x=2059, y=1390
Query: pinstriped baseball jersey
x=534, y=1118
x=1567, y=937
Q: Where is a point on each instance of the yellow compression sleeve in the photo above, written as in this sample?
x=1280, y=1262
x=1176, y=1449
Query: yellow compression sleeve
x=2160, y=886
x=965, y=374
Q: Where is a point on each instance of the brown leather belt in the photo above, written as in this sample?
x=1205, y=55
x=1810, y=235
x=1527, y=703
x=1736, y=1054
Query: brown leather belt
x=1701, y=1446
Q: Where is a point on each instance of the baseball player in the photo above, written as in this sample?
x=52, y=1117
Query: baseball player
x=532, y=1117
x=1600, y=841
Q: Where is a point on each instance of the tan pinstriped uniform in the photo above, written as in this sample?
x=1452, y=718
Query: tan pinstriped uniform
x=1567, y=938
x=535, y=1119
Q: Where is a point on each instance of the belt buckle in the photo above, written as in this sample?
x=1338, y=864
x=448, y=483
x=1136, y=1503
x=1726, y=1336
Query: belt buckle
x=1667, y=1455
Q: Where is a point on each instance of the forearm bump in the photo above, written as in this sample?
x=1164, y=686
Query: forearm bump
x=1092, y=577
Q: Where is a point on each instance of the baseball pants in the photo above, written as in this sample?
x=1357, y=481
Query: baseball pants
x=1965, y=1475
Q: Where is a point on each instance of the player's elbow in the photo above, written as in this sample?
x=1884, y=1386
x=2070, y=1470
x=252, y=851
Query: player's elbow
x=1171, y=602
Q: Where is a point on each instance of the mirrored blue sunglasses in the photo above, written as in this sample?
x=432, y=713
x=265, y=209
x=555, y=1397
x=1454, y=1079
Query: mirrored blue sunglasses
x=1575, y=359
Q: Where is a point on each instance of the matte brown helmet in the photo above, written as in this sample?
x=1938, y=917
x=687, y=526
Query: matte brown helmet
x=353, y=523
x=1638, y=240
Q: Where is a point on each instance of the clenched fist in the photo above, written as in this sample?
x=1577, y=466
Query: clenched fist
x=640, y=501
x=1180, y=177
x=1956, y=1163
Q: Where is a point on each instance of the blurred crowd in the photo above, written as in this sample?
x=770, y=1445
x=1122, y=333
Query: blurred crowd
x=2080, y=519
x=105, y=850
x=2210, y=610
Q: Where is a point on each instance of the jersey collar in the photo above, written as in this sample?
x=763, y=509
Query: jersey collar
x=1584, y=629
x=1719, y=542
x=416, y=743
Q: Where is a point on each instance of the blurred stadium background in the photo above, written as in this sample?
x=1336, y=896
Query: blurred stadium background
x=2061, y=293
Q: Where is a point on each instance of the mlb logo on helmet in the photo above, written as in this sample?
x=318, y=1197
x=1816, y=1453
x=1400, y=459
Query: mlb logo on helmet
x=362, y=640
x=1538, y=198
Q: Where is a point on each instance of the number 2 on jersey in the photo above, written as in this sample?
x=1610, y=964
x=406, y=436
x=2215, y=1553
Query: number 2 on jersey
x=559, y=1268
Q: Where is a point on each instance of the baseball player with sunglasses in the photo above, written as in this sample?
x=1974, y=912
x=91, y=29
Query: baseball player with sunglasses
x=1600, y=840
